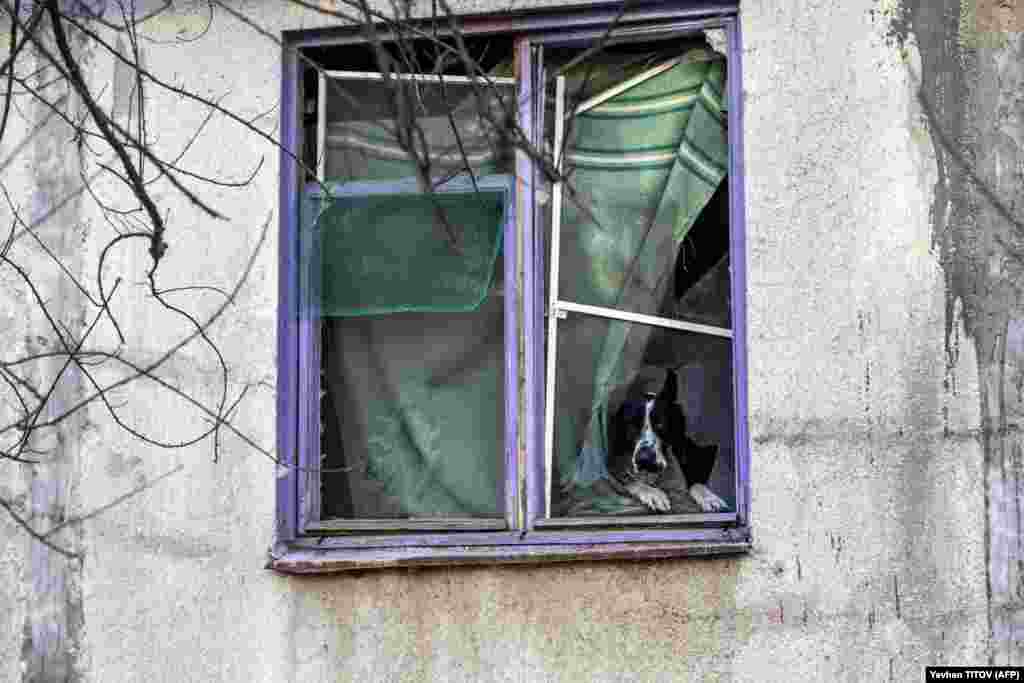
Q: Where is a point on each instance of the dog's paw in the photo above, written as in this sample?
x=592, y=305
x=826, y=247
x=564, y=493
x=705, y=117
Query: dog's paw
x=706, y=499
x=654, y=498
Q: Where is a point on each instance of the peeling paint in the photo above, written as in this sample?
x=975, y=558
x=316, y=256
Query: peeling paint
x=54, y=621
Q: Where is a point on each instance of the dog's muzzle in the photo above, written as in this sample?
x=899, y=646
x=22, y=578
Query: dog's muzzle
x=647, y=460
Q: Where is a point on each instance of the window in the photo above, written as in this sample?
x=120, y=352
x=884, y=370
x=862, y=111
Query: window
x=511, y=294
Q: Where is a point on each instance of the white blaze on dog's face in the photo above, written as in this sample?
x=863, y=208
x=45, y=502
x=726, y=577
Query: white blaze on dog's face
x=648, y=452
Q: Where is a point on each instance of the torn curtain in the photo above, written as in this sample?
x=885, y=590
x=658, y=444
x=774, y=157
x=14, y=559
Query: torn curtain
x=642, y=165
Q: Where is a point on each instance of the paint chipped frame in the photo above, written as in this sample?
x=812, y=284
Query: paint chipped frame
x=296, y=549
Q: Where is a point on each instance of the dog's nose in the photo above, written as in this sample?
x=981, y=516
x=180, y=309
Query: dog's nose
x=647, y=459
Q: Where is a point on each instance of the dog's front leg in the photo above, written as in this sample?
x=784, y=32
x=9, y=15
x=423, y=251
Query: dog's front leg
x=706, y=498
x=652, y=497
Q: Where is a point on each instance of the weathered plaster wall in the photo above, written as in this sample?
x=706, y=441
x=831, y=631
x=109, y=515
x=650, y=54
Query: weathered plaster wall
x=878, y=542
x=41, y=591
x=970, y=78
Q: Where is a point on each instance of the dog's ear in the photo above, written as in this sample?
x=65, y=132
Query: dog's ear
x=699, y=462
x=670, y=390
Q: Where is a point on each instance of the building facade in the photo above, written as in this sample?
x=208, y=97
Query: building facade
x=879, y=460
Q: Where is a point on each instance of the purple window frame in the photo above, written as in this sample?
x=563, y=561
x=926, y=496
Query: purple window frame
x=295, y=551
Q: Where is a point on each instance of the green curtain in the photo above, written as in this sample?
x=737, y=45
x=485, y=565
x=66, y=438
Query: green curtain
x=642, y=166
x=408, y=251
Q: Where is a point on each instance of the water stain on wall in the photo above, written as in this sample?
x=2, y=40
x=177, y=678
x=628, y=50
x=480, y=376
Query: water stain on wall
x=972, y=72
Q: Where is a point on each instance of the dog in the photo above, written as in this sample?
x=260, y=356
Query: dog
x=643, y=434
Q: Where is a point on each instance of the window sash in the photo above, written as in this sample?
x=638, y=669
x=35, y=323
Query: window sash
x=559, y=309
x=538, y=308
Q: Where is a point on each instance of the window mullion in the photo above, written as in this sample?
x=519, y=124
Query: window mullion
x=556, y=228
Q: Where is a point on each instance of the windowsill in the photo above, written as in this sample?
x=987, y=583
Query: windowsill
x=634, y=521
x=328, y=526
x=292, y=559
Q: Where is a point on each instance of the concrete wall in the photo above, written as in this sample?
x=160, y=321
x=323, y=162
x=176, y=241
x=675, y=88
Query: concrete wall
x=886, y=343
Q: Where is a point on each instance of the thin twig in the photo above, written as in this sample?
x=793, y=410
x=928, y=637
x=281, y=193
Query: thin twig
x=113, y=503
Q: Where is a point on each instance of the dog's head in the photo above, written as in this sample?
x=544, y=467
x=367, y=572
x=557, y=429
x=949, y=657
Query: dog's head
x=642, y=431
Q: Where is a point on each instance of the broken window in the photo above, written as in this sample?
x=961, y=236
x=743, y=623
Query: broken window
x=517, y=304
x=639, y=284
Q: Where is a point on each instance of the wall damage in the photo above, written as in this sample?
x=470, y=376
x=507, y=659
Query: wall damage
x=54, y=619
x=972, y=72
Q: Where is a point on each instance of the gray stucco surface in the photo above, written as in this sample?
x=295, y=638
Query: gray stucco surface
x=884, y=466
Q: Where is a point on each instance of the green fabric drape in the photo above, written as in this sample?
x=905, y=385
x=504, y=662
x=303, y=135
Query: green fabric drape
x=403, y=252
x=643, y=164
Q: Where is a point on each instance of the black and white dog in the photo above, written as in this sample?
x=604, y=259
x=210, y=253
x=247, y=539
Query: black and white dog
x=643, y=434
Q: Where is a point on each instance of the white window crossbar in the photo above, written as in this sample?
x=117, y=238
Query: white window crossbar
x=641, y=318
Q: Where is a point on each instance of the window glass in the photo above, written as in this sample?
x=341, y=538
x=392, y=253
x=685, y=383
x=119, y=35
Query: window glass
x=401, y=251
x=413, y=411
x=406, y=283
x=450, y=126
